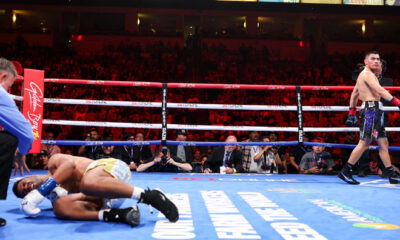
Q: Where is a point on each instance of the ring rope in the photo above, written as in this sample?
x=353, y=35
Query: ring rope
x=103, y=124
x=99, y=143
x=195, y=105
x=170, y=126
x=205, y=127
x=348, y=146
x=203, y=106
x=158, y=142
x=193, y=143
x=202, y=85
x=18, y=98
x=345, y=129
x=103, y=82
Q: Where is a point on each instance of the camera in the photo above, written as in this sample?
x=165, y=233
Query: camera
x=164, y=150
x=321, y=165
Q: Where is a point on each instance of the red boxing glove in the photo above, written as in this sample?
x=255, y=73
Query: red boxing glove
x=352, y=111
x=395, y=101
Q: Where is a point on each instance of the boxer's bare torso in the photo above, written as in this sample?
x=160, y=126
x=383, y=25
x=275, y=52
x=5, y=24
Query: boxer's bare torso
x=73, y=182
x=365, y=91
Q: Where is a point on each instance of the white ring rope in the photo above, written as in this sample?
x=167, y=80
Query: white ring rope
x=195, y=105
x=102, y=124
x=18, y=98
x=206, y=127
x=101, y=102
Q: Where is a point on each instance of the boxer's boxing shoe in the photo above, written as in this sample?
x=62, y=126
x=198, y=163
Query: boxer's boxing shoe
x=2, y=222
x=347, y=177
x=129, y=215
x=394, y=178
x=157, y=199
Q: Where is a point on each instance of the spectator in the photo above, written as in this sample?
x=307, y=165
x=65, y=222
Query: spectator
x=267, y=161
x=203, y=161
x=296, y=153
x=127, y=152
x=168, y=164
x=107, y=151
x=225, y=159
x=182, y=152
x=317, y=161
x=20, y=164
x=91, y=151
x=197, y=162
x=280, y=150
x=42, y=160
x=248, y=153
x=50, y=149
x=142, y=152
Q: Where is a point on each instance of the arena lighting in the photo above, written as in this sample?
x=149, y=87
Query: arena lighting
x=363, y=28
x=14, y=17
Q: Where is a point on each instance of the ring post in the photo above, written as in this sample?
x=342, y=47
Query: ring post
x=299, y=115
x=164, y=118
x=32, y=107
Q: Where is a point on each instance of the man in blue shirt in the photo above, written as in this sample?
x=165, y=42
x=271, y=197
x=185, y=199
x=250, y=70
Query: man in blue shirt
x=15, y=131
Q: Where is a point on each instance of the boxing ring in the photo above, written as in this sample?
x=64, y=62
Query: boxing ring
x=219, y=206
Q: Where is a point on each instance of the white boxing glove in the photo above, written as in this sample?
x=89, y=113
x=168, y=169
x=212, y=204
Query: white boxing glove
x=56, y=193
x=30, y=202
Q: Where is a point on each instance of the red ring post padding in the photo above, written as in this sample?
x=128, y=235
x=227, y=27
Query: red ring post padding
x=32, y=109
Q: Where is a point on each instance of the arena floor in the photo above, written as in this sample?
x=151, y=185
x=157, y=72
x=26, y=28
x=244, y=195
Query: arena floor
x=235, y=207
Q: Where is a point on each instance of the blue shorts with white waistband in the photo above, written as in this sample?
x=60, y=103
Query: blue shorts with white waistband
x=371, y=121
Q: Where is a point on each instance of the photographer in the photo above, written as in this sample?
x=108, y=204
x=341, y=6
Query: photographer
x=318, y=161
x=161, y=163
x=90, y=151
x=267, y=161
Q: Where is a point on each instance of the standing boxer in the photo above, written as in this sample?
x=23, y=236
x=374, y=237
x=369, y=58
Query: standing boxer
x=368, y=90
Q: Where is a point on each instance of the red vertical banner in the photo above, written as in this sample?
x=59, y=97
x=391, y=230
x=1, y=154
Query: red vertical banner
x=33, y=104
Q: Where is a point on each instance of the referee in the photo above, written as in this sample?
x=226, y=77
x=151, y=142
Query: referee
x=15, y=131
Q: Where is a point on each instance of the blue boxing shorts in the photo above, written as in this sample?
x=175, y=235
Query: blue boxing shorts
x=371, y=121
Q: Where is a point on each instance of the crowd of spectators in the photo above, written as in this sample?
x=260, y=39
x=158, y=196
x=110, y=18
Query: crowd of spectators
x=162, y=62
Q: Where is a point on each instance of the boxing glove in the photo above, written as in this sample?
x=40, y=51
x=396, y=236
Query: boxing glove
x=352, y=120
x=56, y=194
x=395, y=101
x=33, y=198
x=30, y=202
